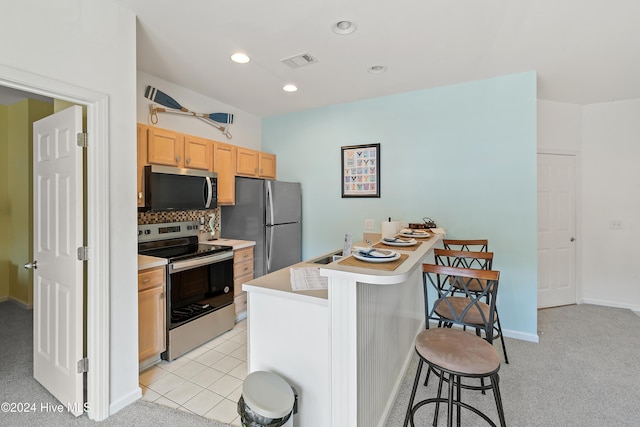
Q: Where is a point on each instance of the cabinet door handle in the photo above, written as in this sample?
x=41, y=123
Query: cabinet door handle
x=177, y=158
x=188, y=160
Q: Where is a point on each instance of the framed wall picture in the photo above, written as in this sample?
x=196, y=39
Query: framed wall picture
x=361, y=170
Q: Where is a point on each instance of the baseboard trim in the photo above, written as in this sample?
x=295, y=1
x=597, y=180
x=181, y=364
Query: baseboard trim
x=241, y=316
x=125, y=401
x=21, y=304
x=613, y=304
x=518, y=335
x=522, y=336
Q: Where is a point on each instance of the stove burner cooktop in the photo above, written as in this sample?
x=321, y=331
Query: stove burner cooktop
x=174, y=241
x=192, y=250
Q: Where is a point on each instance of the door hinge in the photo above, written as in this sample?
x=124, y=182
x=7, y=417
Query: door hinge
x=83, y=253
x=83, y=365
x=82, y=139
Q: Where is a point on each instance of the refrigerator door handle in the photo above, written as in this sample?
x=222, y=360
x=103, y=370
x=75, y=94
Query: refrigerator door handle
x=269, y=203
x=269, y=249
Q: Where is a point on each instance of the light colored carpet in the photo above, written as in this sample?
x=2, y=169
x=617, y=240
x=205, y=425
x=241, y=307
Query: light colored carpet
x=17, y=385
x=584, y=372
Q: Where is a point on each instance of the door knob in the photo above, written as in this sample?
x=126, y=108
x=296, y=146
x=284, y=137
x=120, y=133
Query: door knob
x=573, y=239
x=31, y=265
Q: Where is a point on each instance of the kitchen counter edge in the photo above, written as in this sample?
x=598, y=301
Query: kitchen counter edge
x=279, y=282
x=145, y=262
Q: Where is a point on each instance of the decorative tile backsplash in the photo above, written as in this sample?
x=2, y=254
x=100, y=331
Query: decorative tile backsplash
x=176, y=216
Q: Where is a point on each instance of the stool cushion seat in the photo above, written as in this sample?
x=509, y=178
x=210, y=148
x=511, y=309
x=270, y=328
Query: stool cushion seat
x=458, y=351
x=474, y=316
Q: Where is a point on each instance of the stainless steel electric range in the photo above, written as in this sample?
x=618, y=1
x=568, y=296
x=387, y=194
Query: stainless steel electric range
x=199, y=284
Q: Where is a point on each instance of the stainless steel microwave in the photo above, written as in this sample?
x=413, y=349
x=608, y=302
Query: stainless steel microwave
x=174, y=189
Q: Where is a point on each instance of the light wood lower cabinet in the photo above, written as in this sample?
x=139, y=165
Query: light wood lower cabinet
x=151, y=312
x=242, y=273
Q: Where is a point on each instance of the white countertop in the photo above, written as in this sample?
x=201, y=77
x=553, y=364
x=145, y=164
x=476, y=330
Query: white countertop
x=235, y=244
x=145, y=261
x=280, y=281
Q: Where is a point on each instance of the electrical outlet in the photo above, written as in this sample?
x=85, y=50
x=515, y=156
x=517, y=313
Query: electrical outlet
x=369, y=224
x=616, y=224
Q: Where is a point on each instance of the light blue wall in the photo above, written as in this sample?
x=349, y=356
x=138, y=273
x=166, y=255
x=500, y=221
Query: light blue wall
x=464, y=155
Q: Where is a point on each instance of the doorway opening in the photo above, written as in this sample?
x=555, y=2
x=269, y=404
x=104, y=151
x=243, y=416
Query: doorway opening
x=97, y=227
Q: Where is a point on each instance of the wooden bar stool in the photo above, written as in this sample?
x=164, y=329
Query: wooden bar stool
x=474, y=245
x=472, y=259
x=455, y=354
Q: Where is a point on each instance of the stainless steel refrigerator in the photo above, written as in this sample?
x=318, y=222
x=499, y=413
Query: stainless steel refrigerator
x=269, y=213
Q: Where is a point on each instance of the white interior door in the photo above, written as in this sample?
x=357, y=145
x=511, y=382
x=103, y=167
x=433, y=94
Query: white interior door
x=556, y=230
x=57, y=273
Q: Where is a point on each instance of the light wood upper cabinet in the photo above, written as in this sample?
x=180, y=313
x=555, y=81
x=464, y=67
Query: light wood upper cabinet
x=255, y=163
x=267, y=165
x=197, y=153
x=247, y=162
x=165, y=147
x=142, y=160
x=151, y=312
x=224, y=160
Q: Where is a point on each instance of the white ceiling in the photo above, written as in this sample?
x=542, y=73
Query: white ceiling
x=584, y=51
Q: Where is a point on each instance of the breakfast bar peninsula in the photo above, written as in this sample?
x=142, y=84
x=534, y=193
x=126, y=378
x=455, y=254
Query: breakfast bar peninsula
x=346, y=348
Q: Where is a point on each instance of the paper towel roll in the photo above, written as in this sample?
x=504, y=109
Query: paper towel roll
x=390, y=228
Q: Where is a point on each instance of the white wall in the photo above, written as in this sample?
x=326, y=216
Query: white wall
x=245, y=130
x=611, y=191
x=91, y=44
x=559, y=127
x=605, y=139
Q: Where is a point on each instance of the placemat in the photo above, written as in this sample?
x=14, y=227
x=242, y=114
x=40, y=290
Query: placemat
x=351, y=261
x=382, y=245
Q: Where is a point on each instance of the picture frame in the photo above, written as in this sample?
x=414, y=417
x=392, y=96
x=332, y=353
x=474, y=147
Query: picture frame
x=360, y=170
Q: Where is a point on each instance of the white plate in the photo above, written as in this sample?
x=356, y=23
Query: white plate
x=416, y=235
x=400, y=243
x=374, y=259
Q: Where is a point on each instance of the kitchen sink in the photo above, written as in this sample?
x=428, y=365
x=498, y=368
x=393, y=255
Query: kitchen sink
x=327, y=259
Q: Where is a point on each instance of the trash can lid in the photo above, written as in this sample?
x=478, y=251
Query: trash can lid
x=267, y=394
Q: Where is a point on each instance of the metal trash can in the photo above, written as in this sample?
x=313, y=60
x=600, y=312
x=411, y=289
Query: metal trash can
x=267, y=401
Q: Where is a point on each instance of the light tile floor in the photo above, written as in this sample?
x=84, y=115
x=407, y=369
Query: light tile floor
x=207, y=381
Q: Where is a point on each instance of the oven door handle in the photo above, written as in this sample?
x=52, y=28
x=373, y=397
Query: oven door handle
x=174, y=267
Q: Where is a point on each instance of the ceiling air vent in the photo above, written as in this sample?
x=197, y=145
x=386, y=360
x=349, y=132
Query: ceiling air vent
x=300, y=60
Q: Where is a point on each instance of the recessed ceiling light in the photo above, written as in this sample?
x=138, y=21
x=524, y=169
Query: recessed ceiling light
x=344, y=27
x=240, y=58
x=377, y=69
x=289, y=88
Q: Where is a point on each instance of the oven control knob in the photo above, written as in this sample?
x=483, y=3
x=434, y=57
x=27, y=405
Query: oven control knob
x=226, y=289
x=147, y=231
